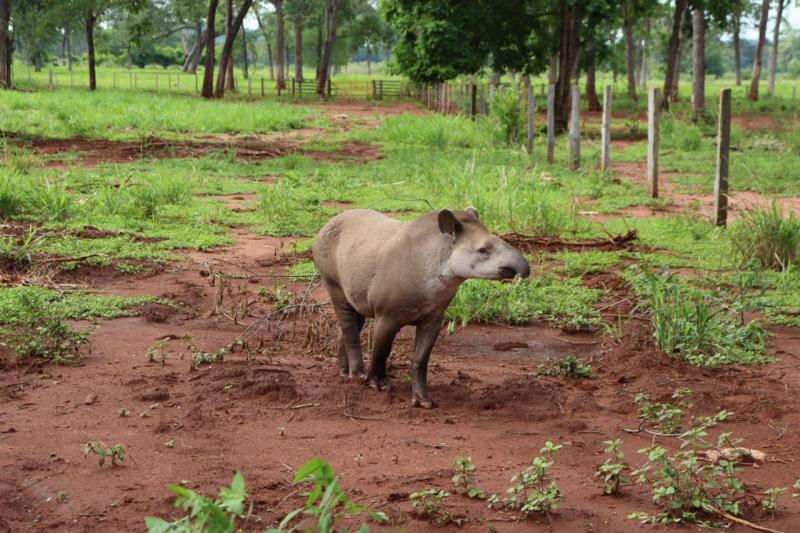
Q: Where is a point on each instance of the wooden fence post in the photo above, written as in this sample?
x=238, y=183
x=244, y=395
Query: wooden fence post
x=652, y=140
x=380, y=90
x=374, y=90
x=473, y=108
x=330, y=87
x=723, y=151
x=531, y=115
x=262, y=86
x=130, y=80
x=482, y=107
x=551, y=123
x=292, y=85
x=575, y=129
x=605, y=132
x=50, y=78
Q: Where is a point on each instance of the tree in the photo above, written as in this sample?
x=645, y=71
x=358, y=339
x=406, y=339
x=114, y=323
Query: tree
x=227, y=48
x=736, y=22
x=280, y=43
x=773, y=58
x=698, y=61
x=211, y=34
x=673, y=54
x=268, y=39
x=762, y=36
x=227, y=76
x=5, y=44
x=629, y=50
x=332, y=12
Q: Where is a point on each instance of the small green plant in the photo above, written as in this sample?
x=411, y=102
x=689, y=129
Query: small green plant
x=614, y=472
x=796, y=487
x=429, y=503
x=21, y=251
x=325, y=502
x=207, y=358
x=159, y=352
x=146, y=199
x=506, y=110
x=116, y=453
x=766, y=239
x=464, y=478
x=533, y=490
x=10, y=197
x=664, y=417
x=281, y=297
x=206, y=515
x=770, y=501
x=568, y=367
x=53, y=201
x=42, y=333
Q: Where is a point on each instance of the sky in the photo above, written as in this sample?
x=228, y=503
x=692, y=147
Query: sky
x=791, y=13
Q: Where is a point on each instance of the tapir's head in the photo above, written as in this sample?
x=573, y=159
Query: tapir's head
x=477, y=253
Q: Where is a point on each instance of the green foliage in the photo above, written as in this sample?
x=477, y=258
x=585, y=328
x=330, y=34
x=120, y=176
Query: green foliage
x=766, y=239
x=464, y=478
x=21, y=251
x=665, y=417
x=429, y=503
x=116, y=453
x=304, y=270
x=569, y=367
x=533, y=491
x=53, y=201
x=680, y=136
x=614, y=472
x=507, y=113
x=696, y=327
x=206, y=515
x=41, y=333
x=325, y=500
x=548, y=298
x=10, y=200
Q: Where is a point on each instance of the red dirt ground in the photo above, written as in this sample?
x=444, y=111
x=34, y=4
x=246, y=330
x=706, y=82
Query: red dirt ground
x=266, y=411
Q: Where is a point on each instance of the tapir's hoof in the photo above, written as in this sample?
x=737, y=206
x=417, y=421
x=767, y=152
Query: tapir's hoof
x=379, y=383
x=358, y=375
x=425, y=403
x=343, y=372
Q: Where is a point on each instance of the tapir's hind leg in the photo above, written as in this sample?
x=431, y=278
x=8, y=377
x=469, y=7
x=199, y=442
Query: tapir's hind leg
x=344, y=363
x=384, y=332
x=351, y=359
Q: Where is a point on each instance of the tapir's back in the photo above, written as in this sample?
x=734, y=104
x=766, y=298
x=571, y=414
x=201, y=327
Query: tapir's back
x=348, y=250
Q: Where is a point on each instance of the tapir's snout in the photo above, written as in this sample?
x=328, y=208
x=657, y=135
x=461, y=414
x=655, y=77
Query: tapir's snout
x=519, y=267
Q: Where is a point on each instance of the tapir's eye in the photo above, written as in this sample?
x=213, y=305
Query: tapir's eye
x=483, y=250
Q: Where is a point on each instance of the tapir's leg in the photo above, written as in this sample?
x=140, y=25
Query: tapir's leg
x=344, y=364
x=384, y=332
x=350, y=323
x=427, y=333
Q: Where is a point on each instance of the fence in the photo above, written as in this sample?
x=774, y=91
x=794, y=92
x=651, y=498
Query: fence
x=180, y=82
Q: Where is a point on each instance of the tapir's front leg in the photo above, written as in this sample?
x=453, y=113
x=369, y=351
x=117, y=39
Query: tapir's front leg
x=427, y=333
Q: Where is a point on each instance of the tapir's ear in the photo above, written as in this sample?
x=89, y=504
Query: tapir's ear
x=448, y=223
x=472, y=211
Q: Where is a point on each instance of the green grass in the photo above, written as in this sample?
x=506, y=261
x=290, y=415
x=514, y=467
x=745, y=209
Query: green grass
x=129, y=115
x=79, y=305
x=556, y=300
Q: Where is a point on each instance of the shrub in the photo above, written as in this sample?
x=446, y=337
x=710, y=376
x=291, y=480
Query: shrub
x=765, y=239
x=507, y=112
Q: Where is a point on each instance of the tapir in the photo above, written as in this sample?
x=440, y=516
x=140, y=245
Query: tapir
x=403, y=273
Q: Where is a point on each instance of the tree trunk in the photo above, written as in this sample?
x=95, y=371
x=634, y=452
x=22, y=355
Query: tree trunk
x=37, y=62
x=673, y=54
x=571, y=17
x=645, y=74
x=268, y=39
x=737, y=49
x=227, y=49
x=591, y=66
x=5, y=48
x=298, y=47
x=68, y=47
x=193, y=57
x=319, y=44
x=286, y=75
x=552, y=70
x=227, y=75
x=130, y=57
x=762, y=37
x=698, y=62
x=773, y=58
x=332, y=9
x=211, y=37
x=280, y=43
x=91, y=18
x=629, y=48
x=244, y=52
